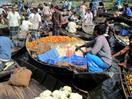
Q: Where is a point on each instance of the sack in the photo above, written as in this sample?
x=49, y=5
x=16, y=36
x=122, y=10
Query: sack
x=20, y=77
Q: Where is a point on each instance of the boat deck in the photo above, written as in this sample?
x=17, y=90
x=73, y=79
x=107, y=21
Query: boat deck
x=14, y=92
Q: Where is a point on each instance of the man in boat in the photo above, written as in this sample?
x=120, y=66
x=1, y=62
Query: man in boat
x=128, y=55
x=109, y=33
x=5, y=46
x=98, y=55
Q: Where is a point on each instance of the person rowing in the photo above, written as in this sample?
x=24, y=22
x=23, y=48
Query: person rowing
x=127, y=63
x=98, y=55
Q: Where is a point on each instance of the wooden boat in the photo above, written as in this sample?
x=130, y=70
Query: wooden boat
x=122, y=40
x=40, y=81
x=120, y=19
x=125, y=75
x=126, y=83
x=78, y=34
x=121, y=24
x=87, y=80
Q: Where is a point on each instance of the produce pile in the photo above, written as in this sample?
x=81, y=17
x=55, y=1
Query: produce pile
x=62, y=93
x=128, y=78
x=53, y=39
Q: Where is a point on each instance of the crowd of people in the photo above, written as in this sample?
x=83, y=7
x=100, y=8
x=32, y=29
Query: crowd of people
x=27, y=18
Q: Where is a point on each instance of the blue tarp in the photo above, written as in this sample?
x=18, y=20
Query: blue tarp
x=49, y=57
x=123, y=32
x=95, y=63
x=52, y=57
x=74, y=59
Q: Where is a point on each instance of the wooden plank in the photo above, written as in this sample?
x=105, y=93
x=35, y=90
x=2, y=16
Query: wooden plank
x=3, y=93
x=36, y=87
x=11, y=94
x=27, y=93
x=18, y=91
x=24, y=92
x=15, y=92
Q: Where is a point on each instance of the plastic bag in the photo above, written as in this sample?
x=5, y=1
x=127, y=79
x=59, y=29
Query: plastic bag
x=123, y=32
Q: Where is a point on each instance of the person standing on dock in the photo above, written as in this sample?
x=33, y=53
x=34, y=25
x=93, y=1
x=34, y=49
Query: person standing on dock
x=36, y=22
x=13, y=22
x=56, y=19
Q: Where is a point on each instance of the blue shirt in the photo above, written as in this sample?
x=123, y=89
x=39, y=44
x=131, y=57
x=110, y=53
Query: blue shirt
x=5, y=48
x=95, y=5
x=127, y=11
x=118, y=2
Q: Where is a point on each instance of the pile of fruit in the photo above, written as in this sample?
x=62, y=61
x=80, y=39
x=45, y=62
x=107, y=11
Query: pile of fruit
x=128, y=78
x=54, y=39
x=57, y=39
x=29, y=45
